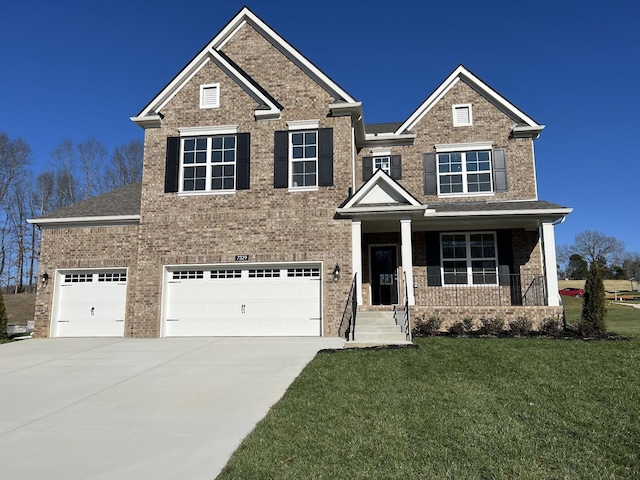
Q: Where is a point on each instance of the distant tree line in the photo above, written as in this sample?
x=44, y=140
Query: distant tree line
x=74, y=172
x=605, y=252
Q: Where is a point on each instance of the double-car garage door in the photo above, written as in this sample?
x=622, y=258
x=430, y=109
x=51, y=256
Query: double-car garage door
x=255, y=300
x=251, y=300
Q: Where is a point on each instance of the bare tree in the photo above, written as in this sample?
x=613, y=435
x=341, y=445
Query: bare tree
x=125, y=165
x=597, y=247
x=92, y=155
x=15, y=155
x=64, y=164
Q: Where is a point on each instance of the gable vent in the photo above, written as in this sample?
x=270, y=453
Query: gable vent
x=462, y=115
x=210, y=96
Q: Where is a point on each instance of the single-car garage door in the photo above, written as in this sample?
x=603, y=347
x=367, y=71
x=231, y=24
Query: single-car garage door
x=90, y=303
x=256, y=300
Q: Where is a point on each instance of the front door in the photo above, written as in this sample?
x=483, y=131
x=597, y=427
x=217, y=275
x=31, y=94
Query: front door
x=384, y=275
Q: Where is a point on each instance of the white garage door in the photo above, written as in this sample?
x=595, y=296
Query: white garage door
x=90, y=304
x=253, y=300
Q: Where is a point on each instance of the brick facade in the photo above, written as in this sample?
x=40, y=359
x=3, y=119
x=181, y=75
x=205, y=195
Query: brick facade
x=277, y=225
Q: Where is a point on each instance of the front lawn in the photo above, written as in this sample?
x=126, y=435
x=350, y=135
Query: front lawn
x=529, y=408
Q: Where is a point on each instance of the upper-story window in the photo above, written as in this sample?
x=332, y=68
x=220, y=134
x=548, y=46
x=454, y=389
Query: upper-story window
x=382, y=163
x=209, y=163
x=465, y=169
x=210, y=95
x=462, y=115
x=303, y=157
x=464, y=172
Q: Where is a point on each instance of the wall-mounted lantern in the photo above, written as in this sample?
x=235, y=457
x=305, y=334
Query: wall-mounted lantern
x=336, y=273
x=45, y=279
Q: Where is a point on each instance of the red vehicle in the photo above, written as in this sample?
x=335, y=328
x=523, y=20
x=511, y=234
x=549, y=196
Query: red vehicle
x=572, y=292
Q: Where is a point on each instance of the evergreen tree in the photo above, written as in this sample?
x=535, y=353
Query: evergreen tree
x=594, y=314
x=3, y=318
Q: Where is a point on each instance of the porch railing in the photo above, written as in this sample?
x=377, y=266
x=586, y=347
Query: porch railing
x=401, y=312
x=509, y=290
x=348, y=324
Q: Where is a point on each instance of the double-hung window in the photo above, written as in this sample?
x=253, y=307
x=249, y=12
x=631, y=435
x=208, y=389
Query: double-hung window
x=464, y=172
x=469, y=258
x=209, y=163
x=303, y=155
x=382, y=163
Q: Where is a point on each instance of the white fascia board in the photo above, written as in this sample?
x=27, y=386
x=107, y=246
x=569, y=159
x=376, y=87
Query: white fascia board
x=150, y=121
x=276, y=40
x=382, y=209
x=82, y=221
x=524, y=131
x=212, y=130
x=501, y=213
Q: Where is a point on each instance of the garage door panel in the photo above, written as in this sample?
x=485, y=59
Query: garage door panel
x=264, y=302
x=90, y=308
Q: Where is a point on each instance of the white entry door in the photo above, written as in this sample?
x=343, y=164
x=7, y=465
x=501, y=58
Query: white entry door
x=90, y=304
x=254, y=300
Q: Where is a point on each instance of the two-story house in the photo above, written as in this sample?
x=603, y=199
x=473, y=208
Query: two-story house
x=265, y=198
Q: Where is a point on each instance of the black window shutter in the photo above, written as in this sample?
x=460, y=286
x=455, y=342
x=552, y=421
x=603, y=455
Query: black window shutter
x=281, y=159
x=243, y=149
x=505, y=256
x=325, y=157
x=430, y=174
x=367, y=168
x=500, y=170
x=172, y=166
x=434, y=278
x=396, y=167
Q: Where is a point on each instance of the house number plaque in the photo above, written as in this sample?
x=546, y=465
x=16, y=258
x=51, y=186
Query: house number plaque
x=242, y=258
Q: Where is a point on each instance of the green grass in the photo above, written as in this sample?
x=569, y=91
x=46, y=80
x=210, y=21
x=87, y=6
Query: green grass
x=465, y=408
x=621, y=319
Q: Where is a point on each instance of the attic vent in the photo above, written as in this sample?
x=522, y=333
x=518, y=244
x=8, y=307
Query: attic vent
x=210, y=95
x=462, y=115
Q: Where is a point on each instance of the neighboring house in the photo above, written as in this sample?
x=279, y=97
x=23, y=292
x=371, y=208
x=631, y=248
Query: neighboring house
x=264, y=195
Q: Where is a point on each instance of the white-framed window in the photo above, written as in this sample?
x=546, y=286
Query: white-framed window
x=469, y=258
x=464, y=172
x=462, y=115
x=208, y=163
x=303, y=158
x=382, y=163
x=210, y=95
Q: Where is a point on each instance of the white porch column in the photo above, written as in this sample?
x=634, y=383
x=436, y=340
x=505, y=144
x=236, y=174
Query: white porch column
x=407, y=258
x=550, y=266
x=356, y=256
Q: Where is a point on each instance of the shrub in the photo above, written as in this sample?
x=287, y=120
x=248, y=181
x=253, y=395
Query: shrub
x=551, y=326
x=428, y=327
x=3, y=318
x=491, y=326
x=467, y=322
x=594, y=314
x=457, y=329
x=520, y=326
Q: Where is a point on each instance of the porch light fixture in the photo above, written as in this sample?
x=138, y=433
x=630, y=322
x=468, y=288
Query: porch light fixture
x=336, y=273
x=45, y=279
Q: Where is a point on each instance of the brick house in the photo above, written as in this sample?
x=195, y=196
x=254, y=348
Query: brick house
x=267, y=204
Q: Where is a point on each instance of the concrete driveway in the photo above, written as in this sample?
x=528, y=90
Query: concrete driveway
x=122, y=409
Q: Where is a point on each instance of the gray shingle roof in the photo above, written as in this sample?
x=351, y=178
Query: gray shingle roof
x=382, y=127
x=122, y=201
x=494, y=206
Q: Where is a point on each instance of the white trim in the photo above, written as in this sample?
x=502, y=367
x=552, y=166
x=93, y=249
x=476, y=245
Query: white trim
x=303, y=125
x=179, y=86
x=463, y=147
x=380, y=152
x=98, y=220
x=550, y=266
x=206, y=131
x=356, y=256
x=380, y=177
x=406, y=249
x=460, y=106
x=492, y=213
x=215, y=102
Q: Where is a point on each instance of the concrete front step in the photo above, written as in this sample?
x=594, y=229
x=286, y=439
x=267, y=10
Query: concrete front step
x=380, y=338
x=377, y=328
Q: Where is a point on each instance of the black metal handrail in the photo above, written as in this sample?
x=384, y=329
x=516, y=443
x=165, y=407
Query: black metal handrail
x=403, y=320
x=348, y=324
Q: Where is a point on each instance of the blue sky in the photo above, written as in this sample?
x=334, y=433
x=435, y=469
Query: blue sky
x=75, y=69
